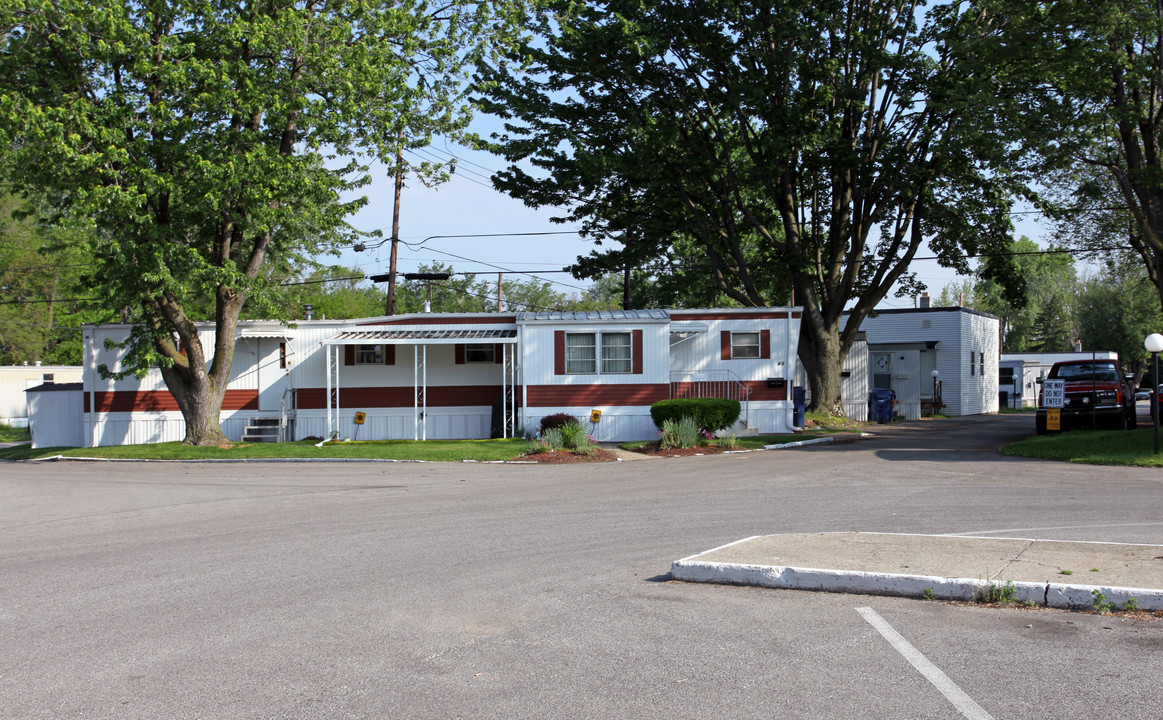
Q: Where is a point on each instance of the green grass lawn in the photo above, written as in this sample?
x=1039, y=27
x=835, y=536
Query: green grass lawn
x=11, y=434
x=431, y=450
x=1092, y=447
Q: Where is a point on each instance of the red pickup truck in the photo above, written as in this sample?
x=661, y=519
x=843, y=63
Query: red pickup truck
x=1097, y=396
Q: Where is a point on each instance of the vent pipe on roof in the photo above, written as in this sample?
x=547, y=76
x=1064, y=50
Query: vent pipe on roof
x=427, y=306
x=926, y=302
x=1077, y=346
x=308, y=312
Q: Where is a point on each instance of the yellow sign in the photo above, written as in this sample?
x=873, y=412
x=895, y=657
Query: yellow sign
x=359, y=417
x=1053, y=419
x=595, y=416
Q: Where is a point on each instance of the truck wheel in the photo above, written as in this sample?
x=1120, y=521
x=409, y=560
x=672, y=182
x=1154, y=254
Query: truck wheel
x=1120, y=421
x=1133, y=419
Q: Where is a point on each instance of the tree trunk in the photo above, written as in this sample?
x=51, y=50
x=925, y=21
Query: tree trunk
x=200, y=400
x=822, y=355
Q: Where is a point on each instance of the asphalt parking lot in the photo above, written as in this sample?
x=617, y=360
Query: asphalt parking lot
x=146, y=590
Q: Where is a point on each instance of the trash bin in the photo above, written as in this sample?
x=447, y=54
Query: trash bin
x=799, y=397
x=880, y=403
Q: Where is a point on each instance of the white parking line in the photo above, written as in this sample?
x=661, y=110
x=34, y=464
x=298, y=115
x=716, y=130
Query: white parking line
x=932, y=673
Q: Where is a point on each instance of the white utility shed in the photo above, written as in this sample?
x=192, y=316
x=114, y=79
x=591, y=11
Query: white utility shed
x=905, y=346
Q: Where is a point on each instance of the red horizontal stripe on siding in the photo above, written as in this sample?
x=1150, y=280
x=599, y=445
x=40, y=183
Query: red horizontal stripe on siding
x=163, y=401
x=437, y=320
x=574, y=395
x=400, y=397
x=760, y=391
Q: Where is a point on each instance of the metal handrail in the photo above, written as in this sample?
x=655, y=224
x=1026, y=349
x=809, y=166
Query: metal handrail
x=720, y=383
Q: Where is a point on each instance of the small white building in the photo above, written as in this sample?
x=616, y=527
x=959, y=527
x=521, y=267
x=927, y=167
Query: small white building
x=470, y=375
x=906, y=346
x=55, y=412
x=15, y=379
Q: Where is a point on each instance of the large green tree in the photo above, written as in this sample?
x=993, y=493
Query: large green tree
x=767, y=146
x=205, y=139
x=1086, y=80
x=43, y=301
x=1117, y=308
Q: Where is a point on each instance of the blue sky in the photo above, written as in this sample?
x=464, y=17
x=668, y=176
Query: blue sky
x=468, y=205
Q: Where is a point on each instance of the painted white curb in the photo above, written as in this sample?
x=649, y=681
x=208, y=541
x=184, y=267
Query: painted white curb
x=915, y=586
x=801, y=443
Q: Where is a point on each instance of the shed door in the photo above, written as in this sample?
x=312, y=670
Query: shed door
x=906, y=377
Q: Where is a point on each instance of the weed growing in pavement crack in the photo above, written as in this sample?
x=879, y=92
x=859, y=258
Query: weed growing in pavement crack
x=1101, y=604
x=1003, y=594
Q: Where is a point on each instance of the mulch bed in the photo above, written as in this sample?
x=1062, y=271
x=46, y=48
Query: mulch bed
x=561, y=457
x=656, y=451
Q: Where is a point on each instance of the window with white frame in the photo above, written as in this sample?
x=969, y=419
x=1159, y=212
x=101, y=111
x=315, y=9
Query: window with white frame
x=583, y=351
x=616, y=356
x=745, y=345
x=480, y=353
x=369, y=354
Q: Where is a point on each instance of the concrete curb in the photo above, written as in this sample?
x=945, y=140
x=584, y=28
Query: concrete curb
x=801, y=443
x=1056, y=595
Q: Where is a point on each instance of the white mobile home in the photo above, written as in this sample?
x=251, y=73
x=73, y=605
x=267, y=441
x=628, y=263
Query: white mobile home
x=905, y=347
x=15, y=379
x=432, y=376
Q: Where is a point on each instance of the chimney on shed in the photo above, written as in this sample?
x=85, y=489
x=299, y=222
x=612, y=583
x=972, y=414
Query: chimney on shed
x=926, y=302
x=308, y=312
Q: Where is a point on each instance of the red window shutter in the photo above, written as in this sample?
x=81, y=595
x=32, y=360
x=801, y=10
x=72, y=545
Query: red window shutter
x=348, y=354
x=558, y=352
x=765, y=344
x=636, y=351
x=460, y=354
x=499, y=354
x=725, y=345
x=389, y=354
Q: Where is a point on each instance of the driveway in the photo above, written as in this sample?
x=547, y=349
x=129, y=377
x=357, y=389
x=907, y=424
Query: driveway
x=136, y=590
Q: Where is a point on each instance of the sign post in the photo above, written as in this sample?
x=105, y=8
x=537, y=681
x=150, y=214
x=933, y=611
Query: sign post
x=1053, y=399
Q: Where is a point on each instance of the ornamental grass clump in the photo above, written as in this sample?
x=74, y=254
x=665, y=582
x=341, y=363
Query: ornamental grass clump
x=682, y=433
x=569, y=436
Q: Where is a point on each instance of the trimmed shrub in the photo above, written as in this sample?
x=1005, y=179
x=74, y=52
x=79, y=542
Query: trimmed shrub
x=557, y=420
x=708, y=413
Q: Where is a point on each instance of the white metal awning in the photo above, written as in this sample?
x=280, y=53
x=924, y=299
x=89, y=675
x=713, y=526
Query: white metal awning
x=266, y=332
x=424, y=337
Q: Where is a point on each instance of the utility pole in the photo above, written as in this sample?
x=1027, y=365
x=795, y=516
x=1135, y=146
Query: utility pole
x=626, y=287
x=500, y=289
x=391, y=308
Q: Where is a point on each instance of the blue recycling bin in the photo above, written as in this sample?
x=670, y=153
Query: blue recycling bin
x=799, y=398
x=880, y=402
